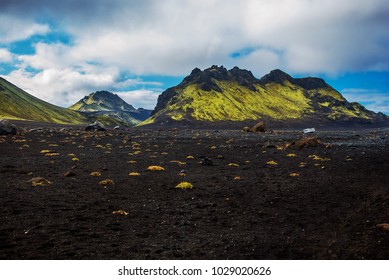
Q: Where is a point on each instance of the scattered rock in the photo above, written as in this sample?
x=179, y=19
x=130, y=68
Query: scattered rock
x=206, y=161
x=6, y=128
x=96, y=126
x=305, y=142
x=384, y=226
x=309, y=130
x=70, y=174
x=39, y=129
x=269, y=145
x=259, y=127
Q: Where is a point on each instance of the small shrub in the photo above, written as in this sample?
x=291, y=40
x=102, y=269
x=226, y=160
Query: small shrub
x=184, y=185
x=120, y=212
x=107, y=182
x=155, y=168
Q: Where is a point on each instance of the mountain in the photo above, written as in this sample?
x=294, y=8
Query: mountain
x=218, y=95
x=17, y=104
x=105, y=103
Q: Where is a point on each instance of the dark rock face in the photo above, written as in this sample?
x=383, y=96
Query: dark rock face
x=6, y=128
x=311, y=83
x=163, y=99
x=279, y=77
x=96, y=126
x=276, y=76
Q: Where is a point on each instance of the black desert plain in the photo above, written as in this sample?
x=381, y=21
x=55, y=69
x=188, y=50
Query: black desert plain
x=66, y=193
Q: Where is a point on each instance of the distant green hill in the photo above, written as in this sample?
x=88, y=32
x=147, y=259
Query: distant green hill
x=107, y=104
x=17, y=104
x=218, y=95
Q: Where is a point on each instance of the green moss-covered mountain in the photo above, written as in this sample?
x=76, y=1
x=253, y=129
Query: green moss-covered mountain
x=218, y=95
x=17, y=104
x=107, y=104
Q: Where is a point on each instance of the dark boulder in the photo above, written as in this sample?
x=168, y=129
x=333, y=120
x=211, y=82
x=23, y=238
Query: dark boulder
x=6, y=128
x=96, y=126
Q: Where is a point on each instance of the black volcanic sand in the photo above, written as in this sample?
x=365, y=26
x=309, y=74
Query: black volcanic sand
x=329, y=211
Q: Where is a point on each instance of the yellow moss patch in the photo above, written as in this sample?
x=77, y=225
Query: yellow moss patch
x=232, y=164
x=133, y=174
x=107, y=182
x=120, y=212
x=184, y=185
x=51, y=154
x=178, y=162
x=155, y=168
x=316, y=157
x=190, y=157
x=39, y=182
x=131, y=161
x=75, y=159
x=291, y=155
x=271, y=162
x=46, y=151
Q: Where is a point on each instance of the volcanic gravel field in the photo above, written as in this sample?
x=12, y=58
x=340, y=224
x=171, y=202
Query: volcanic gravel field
x=70, y=194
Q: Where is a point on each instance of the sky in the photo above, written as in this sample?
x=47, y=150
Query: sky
x=60, y=51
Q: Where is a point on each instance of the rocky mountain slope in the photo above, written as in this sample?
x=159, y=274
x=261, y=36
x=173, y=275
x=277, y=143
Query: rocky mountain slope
x=17, y=104
x=218, y=95
x=105, y=103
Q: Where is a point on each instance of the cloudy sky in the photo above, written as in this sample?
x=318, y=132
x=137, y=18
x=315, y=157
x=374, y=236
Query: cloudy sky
x=62, y=50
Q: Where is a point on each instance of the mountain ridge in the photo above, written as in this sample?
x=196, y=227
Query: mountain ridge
x=220, y=95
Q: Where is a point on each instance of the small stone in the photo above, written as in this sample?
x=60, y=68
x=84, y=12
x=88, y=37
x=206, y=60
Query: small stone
x=70, y=174
x=383, y=226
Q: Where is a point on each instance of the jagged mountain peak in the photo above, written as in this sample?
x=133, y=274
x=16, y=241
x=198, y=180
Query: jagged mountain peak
x=276, y=76
x=207, y=77
x=102, y=101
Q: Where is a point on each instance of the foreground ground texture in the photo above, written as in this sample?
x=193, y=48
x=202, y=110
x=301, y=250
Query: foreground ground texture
x=259, y=199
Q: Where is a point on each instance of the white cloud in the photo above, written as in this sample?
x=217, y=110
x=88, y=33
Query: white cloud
x=6, y=55
x=371, y=99
x=172, y=37
x=140, y=98
x=18, y=28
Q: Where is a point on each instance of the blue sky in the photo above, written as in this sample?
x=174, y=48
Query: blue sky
x=63, y=50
